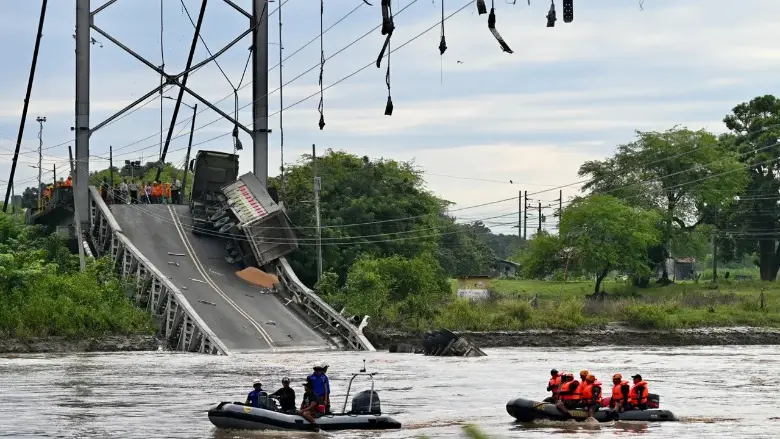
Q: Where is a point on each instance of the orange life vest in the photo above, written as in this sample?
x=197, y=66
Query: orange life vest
x=617, y=391
x=589, y=390
x=555, y=384
x=69, y=182
x=570, y=391
x=157, y=191
x=167, y=190
x=634, y=397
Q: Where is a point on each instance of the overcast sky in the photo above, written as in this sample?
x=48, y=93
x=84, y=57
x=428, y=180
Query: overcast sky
x=473, y=119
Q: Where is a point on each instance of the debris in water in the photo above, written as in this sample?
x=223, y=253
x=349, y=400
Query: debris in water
x=207, y=302
x=211, y=270
x=197, y=280
x=173, y=263
x=176, y=254
x=290, y=335
x=270, y=322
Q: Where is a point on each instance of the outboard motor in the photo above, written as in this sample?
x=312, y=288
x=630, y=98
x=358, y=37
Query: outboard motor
x=653, y=401
x=363, y=403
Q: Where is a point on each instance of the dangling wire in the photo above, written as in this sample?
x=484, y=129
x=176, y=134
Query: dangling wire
x=236, y=142
x=551, y=15
x=281, y=107
x=321, y=107
x=388, y=26
x=492, y=27
x=442, y=46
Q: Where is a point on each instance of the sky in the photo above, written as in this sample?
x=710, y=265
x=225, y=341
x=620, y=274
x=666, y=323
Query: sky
x=473, y=119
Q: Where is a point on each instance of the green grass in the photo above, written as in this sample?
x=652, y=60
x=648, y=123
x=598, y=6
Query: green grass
x=562, y=305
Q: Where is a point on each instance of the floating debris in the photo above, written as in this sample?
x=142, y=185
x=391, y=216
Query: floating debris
x=211, y=270
x=197, y=280
x=290, y=335
x=206, y=302
x=173, y=263
x=271, y=322
x=176, y=254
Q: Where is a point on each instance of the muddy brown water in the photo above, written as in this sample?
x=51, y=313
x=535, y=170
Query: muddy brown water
x=719, y=392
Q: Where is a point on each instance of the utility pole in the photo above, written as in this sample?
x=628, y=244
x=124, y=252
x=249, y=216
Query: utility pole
x=70, y=156
x=187, y=159
x=26, y=105
x=111, y=166
x=519, y=214
x=259, y=24
x=714, y=257
x=540, y=218
x=54, y=168
x=525, y=223
x=560, y=208
x=40, y=121
x=317, y=184
x=76, y=217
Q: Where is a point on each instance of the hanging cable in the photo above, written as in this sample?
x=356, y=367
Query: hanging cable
x=492, y=27
x=568, y=11
x=551, y=15
x=442, y=46
x=321, y=107
x=281, y=107
x=388, y=26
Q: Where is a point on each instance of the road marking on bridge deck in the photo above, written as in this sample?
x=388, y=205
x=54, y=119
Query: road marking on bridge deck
x=199, y=266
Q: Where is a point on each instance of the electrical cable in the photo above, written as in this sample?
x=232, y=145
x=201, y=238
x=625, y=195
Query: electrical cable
x=494, y=31
x=321, y=107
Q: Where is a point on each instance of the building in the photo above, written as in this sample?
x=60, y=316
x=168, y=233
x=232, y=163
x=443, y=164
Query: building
x=474, y=287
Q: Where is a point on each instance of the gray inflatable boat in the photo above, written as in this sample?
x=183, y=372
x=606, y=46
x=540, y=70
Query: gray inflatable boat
x=366, y=414
x=526, y=410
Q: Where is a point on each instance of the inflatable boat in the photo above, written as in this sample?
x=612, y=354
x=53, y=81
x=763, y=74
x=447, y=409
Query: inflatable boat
x=366, y=414
x=526, y=410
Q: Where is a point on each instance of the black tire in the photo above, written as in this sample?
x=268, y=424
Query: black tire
x=221, y=222
x=218, y=214
x=227, y=227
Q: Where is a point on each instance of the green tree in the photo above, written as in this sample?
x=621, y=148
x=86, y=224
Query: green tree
x=379, y=208
x=677, y=172
x=542, y=256
x=605, y=233
x=462, y=250
x=755, y=218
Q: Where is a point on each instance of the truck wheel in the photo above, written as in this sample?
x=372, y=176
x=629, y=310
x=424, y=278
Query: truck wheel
x=230, y=246
x=227, y=227
x=218, y=214
x=222, y=221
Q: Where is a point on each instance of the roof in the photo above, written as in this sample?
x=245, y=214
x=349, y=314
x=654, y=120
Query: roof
x=504, y=261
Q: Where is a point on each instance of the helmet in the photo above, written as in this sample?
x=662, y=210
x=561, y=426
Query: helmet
x=584, y=373
x=590, y=378
x=617, y=376
x=285, y=380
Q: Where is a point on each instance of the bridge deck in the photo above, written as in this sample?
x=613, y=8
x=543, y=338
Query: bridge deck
x=242, y=316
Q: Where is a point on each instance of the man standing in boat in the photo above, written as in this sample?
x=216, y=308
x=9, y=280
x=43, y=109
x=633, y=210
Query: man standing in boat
x=321, y=385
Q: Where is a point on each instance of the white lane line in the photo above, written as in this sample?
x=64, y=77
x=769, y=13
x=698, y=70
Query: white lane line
x=210, y=282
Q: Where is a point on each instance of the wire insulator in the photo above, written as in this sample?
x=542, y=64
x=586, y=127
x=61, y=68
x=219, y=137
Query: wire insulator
x=551, y=15
x=568, y=11
x=481, y=7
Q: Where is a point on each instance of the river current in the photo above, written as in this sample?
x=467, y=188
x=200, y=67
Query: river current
x=719, y=392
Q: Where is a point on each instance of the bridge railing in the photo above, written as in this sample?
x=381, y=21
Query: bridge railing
x=180, y=324
x=329, y=320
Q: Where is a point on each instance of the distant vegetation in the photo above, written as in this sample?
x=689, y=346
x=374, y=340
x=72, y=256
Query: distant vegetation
x=43, y=293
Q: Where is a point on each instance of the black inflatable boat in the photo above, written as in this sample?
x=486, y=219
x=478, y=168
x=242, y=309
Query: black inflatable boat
x=366, y=414
x=526, y=410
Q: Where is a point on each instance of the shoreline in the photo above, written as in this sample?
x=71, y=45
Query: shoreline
x=111, y=343
x=382, y=338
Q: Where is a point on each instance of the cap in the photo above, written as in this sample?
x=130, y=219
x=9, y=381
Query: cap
x=617, y=376
x=554, y=371
x=636, y=377
x=319, y=367
x=584, y=372
x=285, y=380
x=257, y=383
x=590, y=378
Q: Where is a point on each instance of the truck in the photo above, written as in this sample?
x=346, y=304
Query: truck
x=210, y=171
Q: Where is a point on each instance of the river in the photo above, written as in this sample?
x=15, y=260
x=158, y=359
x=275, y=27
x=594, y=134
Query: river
x=719, y=392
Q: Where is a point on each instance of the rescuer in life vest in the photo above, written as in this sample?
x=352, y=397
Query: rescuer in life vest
x=554, y=385
x=619, y=399
x=569, y=396
x=590, y=394
x=637, y=396
x=584, y=375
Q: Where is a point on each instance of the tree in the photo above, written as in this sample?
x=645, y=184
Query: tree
x=605, y=233
x=462, y=250
x=755, y=217
x=378, y=208
x=543, y=255
x=677, y=172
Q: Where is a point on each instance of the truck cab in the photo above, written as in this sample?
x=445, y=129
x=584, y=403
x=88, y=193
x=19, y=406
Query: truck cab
x=210, y=171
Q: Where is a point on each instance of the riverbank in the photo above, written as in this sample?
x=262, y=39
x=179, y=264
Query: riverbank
x=91, y=344
x=615, y=336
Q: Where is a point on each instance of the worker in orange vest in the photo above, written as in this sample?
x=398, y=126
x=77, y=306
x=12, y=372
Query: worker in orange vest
x=69, y=181
x=167, y=192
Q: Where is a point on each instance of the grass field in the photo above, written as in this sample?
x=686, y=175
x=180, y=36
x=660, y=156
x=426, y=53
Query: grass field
x=563, y=305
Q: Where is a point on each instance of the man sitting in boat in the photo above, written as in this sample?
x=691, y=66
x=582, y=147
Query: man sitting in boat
x=311, y=406
x=637, y=396
x=569, y=394
x=286, y=396
x=257, y=397
x=590, y=394
x=554, y=385
x=619, y=398
x=321, y=385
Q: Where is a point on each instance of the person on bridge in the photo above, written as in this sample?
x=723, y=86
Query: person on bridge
x=257, y=396
x=312, y=405
x=133, y=188
x=286, y=396
x=69, y=181
x=321, y=385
